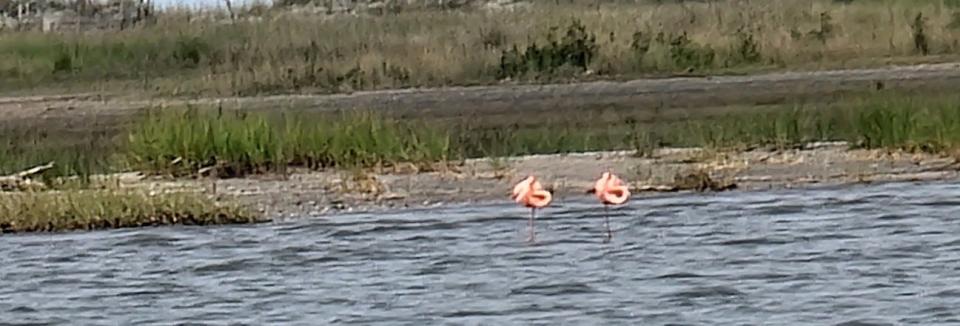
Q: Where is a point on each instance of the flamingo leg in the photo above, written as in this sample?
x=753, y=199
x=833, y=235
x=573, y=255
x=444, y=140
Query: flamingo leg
x=606, y=221
x=532, y=236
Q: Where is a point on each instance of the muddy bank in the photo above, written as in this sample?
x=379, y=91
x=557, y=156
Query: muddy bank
x=643, y=94
x=303, y=193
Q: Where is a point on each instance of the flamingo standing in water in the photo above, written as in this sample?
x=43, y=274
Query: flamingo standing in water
x=610, y=190
x=530, y=193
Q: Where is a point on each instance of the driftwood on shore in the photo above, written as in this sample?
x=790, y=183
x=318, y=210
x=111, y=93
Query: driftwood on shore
x=698, y=180
x=676, y=188
x=21, y=181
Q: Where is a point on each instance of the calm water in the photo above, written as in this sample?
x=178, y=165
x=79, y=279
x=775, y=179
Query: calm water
x=886, y=254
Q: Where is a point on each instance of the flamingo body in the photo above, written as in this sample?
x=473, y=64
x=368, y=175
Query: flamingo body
x=610, y=190
x=530, y=193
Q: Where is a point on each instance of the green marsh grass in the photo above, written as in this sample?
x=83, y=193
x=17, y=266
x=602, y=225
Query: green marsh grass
x=235, y=143
x=910, y=123
x=238, y=143
x=902, y=121
x=182, y=141
x=99, y=209
x=74, y=153
x=282, y=51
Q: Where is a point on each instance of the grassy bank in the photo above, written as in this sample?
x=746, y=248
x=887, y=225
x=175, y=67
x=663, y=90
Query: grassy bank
x=227, y=143
x=232, y=143
x=237, y=143
x=75, y=151
x=913, y=124
x=929, y=123
x=100, y=209
x=284, y=51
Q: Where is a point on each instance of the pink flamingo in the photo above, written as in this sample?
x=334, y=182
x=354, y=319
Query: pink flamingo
x=610, y=190
x=530, y=193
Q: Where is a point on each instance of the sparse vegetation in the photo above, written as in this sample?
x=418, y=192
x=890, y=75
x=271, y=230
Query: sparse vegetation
x=280, y=50
x=574, y=51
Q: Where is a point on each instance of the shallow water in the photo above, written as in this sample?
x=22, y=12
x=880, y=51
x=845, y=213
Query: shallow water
x=886, y=254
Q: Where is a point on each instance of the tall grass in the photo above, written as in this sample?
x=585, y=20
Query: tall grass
x=910, y=123
x=75, y=153
x=236, y=143
x=915, y=124
x=258, y=142
x=287, y=51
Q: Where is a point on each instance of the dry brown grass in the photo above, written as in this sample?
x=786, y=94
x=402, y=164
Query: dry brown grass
x=283, y=51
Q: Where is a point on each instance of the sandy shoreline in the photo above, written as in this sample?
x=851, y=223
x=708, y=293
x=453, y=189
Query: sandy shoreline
x=324, y=193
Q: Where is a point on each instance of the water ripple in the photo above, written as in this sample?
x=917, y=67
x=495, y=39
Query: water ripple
x=829, y=256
